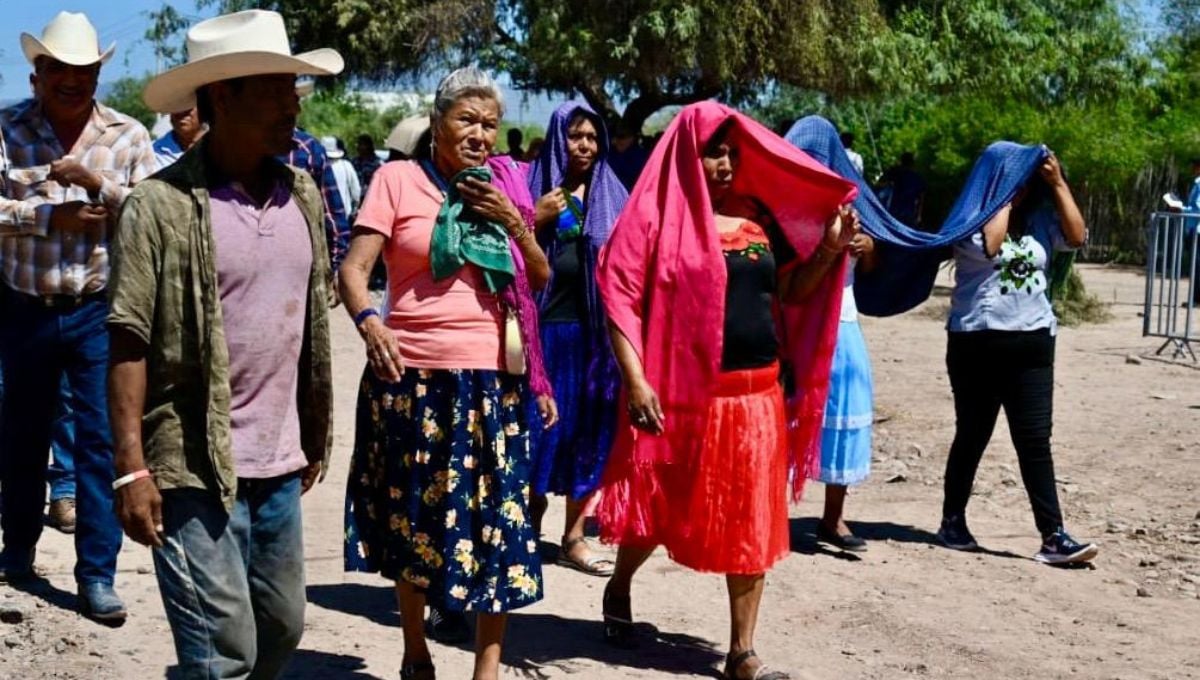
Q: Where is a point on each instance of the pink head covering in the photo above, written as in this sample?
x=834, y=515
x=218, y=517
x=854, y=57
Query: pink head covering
x=662, y=275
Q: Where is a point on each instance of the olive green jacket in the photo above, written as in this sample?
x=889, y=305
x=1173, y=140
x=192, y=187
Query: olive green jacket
x=163, y=289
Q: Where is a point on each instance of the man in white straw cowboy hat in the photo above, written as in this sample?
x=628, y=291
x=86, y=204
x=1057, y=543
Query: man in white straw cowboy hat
x=220, y=385
x=67, y=162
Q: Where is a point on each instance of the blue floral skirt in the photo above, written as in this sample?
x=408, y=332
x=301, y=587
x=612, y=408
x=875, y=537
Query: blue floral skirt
x=439, y=485
x=846, y=437
x=569, y=458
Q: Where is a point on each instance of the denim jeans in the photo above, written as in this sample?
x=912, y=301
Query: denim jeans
x=61, y=473
x=38, y=347
x=233, y=583
x=1013, y=370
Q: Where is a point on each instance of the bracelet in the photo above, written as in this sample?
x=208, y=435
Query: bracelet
x=525, y=231
x=364, y=315
x=130, y=478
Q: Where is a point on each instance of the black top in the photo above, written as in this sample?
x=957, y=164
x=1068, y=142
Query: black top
x=751, y=339
x=566, y=301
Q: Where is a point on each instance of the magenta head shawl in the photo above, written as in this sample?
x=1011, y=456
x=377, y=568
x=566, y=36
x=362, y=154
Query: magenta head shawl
x=662, y=276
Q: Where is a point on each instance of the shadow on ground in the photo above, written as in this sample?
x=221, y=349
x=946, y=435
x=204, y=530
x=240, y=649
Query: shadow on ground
x=374, y=603
x=535, y=642
x=539, y=642
x=804, y=538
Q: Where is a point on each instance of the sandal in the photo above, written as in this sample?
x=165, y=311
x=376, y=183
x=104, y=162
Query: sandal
x=618, y=620
x=421, y=670
x=593, y=565
x=733, y=663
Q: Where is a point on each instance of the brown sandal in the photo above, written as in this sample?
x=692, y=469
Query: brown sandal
x=733, y=663
x=592, y=566
x=421, y=670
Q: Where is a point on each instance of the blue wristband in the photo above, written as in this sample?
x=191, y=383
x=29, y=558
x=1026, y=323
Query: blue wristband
x=364, y=315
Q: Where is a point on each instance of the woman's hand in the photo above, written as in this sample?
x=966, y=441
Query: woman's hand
x=841, y=229
x=1051, y=171
x=549, y=207
x=383, y=350
x=645, y=411
x=548, y=410
x=487, y=200
x=862, y=245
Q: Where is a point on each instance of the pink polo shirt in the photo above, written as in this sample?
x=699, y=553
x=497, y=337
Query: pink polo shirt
x=452, y=323
x=264, y=260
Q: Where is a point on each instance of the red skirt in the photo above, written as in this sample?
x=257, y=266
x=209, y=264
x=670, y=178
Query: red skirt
x=725, y=511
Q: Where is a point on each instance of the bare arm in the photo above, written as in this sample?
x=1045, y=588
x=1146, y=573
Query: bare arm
x=1073, y=228
x=645, y=411
x=383, y=351
x=995, y=231
x=139, y=504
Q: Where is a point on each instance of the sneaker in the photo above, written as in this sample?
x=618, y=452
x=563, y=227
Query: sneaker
x=955, y=535
x=1060, y=548
x=98, y=601
x=16, y=565
x=448, y=628
x=62, y=515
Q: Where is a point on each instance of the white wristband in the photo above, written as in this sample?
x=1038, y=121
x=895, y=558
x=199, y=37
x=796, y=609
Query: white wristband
x=130, y=478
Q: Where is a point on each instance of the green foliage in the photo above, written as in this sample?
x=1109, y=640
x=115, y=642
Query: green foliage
x=125, y=95
x=344, y=115
x=1076, y=306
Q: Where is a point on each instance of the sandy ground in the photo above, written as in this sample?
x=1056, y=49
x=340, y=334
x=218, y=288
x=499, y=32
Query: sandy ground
x=1127, y=445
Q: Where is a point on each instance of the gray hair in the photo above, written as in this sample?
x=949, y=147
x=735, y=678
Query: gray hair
x=464, y=82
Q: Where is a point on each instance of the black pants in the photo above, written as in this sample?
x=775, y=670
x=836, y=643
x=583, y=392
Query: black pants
x=1013, y=369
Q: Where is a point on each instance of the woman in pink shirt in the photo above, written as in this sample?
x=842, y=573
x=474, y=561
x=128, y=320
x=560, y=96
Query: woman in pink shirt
x=441, y=463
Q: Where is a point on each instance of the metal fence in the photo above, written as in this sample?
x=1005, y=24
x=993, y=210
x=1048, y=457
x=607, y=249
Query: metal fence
x=1172, y=293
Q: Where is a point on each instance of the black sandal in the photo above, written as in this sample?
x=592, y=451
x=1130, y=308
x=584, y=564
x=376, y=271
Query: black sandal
x=618, y=620
x=421, y=670
x=733, y=663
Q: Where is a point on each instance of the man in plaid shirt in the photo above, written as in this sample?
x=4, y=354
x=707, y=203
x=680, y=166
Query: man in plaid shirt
x=308, y=155
x=68, y=163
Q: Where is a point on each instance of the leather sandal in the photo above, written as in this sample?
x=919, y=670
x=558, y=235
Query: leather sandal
x=618, y=620
x=593, y=565
x=733, y=663
x=421, y=670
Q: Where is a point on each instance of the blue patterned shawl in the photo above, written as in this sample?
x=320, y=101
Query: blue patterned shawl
x=909, y=258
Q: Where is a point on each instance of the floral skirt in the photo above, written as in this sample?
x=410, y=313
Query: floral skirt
x=726, y=511
x=438, y=488
x=846, y=437
x=569, y=458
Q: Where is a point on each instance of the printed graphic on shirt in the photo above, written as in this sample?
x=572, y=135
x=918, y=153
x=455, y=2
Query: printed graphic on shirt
x=1019, y=272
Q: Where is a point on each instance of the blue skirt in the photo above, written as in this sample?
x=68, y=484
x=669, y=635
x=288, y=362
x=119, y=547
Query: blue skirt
x=846, y=438
x=569, y=458
x=438, y=488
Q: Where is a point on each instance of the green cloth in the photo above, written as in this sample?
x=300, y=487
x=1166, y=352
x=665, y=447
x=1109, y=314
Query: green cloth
x=163, y=289
x=460, y=235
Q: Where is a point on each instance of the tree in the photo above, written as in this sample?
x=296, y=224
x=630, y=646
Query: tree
x=125, y=95
x=165, y=35
x=650, y=53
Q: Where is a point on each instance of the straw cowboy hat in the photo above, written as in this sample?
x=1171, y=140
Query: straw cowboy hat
x=331, y=148
x=69, y=38
x=406, y=134
x=250, y=43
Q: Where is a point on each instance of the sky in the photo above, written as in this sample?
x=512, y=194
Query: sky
x=125, y=22
x=120, y=21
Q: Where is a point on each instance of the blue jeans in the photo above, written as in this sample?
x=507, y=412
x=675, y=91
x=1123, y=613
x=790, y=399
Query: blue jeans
x=38, y=346
x=233, y=583
x=61, y=473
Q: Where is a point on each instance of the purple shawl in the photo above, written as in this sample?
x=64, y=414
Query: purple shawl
x=509, y=176
x=603, y=201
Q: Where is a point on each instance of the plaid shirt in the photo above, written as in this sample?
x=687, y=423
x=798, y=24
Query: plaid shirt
x=308, y=155
x=34, y=258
